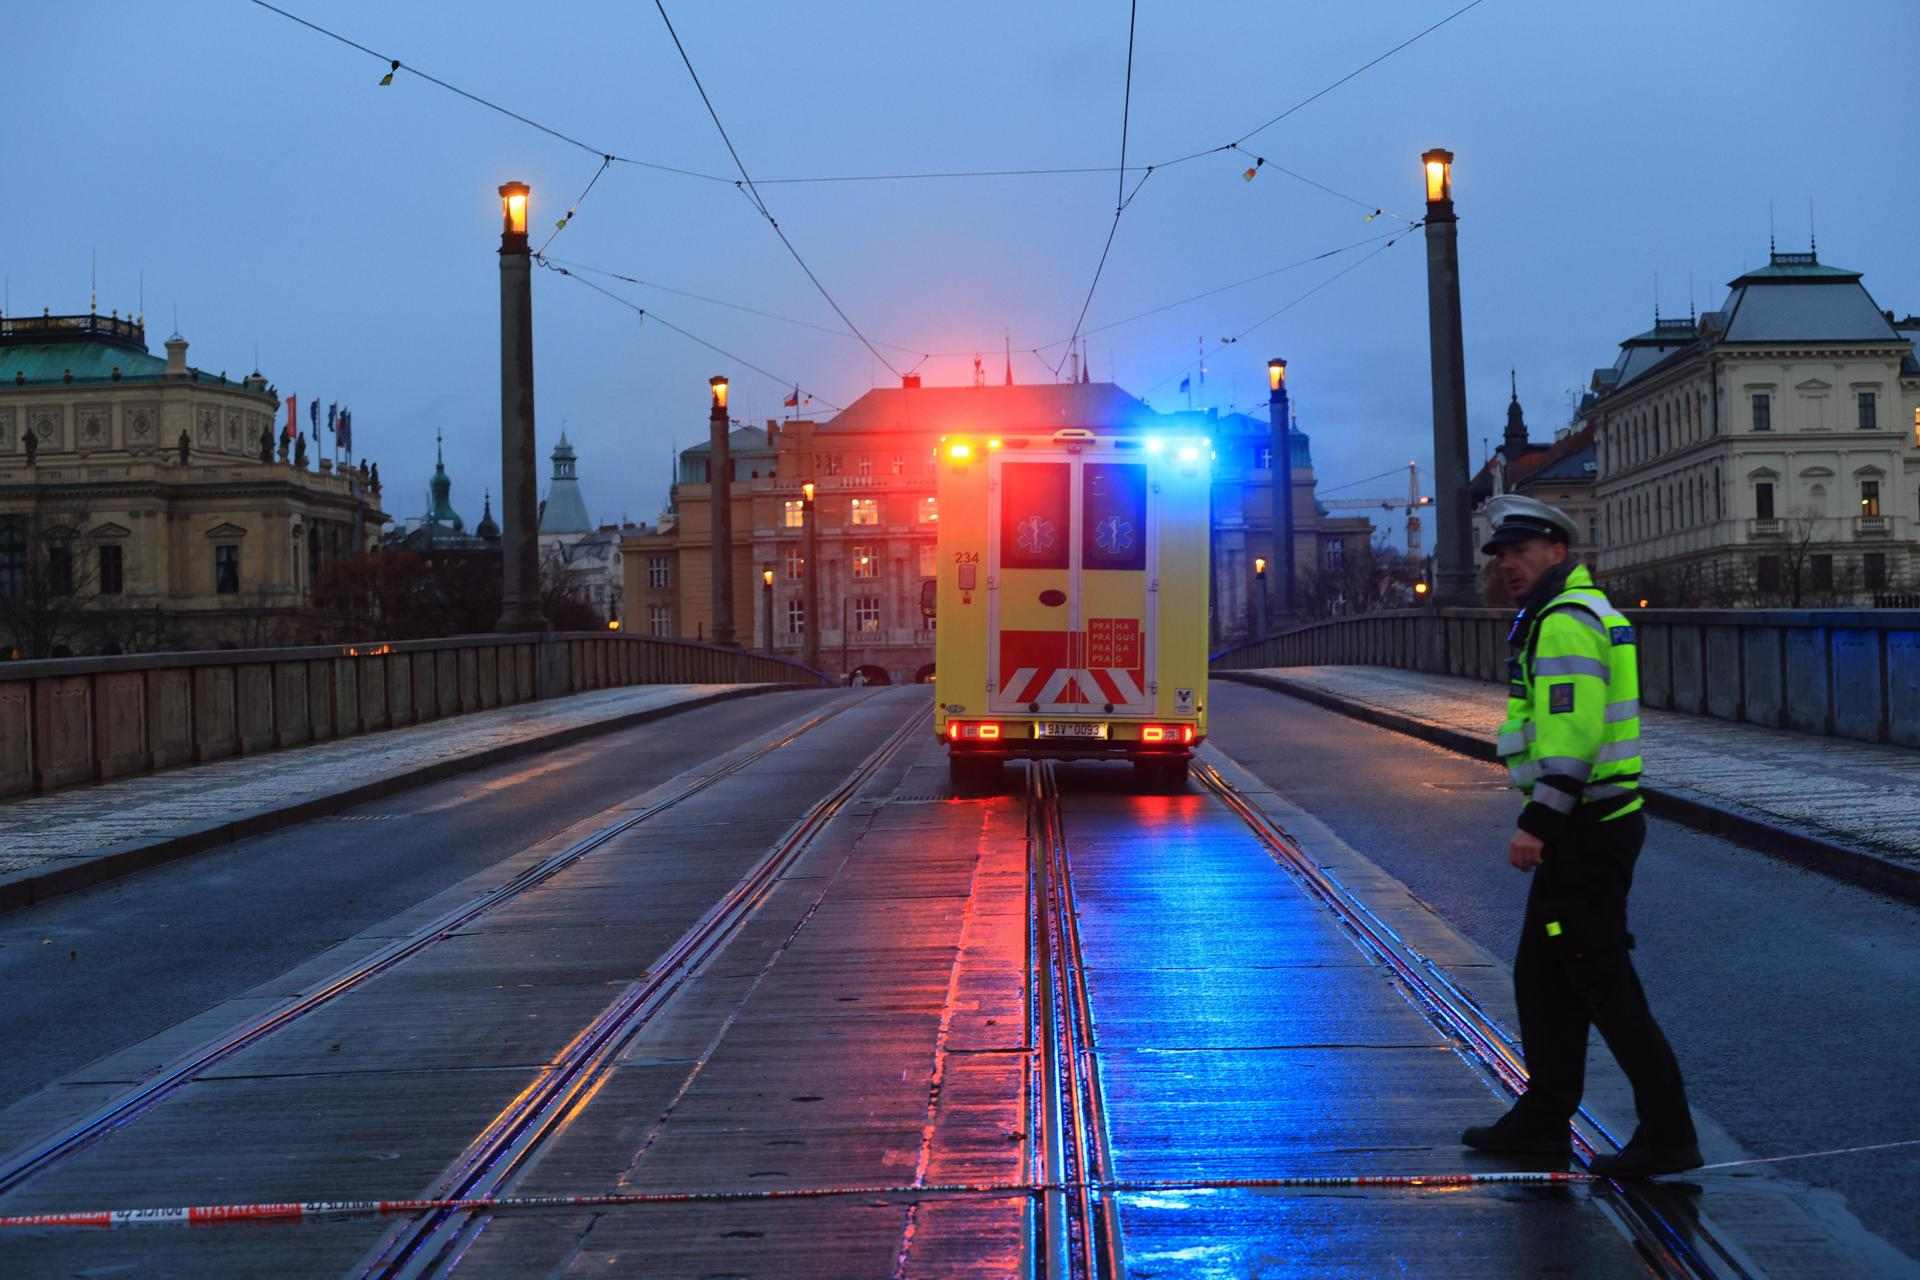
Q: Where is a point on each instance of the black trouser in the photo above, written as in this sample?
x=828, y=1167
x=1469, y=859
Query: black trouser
x=1574, y=971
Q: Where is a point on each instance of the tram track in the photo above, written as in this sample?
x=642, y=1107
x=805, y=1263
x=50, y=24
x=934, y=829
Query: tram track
x=434, y=1242
x=29, y=1163
x=1076, y=1230
x=1672, y=1244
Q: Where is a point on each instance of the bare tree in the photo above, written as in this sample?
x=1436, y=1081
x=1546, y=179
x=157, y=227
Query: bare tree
x=48, y=580
x=1801, y=527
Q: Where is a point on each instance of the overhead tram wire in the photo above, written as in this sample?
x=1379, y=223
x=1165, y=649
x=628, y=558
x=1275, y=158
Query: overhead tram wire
x=574, y=208
x=647, y=314
x=1120, y=197
x=761, y=204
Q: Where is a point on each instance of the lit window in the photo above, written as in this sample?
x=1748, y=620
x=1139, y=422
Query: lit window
x=226, y=570
x=659, y=620
x=929, y=510
x=1870, y=497
x=863, y=511
x=659, y=572
x=865, y=563
x=793, y=514
x=866, y=613
x=796, y=617
x=794, y=563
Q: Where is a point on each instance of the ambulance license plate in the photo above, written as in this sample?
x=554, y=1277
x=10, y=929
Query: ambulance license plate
x=1069, y=729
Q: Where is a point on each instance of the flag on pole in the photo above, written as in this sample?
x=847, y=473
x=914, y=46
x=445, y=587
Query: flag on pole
x=313, y=417
x=793, y=401
x=292, y=428
x=333, y=413
x=1186, y=385
x=344, y=432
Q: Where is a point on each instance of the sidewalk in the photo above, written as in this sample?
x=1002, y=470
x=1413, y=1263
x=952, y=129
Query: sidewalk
x=1848, y=809
x=86, y=834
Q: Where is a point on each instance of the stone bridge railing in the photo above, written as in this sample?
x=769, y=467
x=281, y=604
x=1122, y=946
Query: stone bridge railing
x=73, y=720
x=1843, y=673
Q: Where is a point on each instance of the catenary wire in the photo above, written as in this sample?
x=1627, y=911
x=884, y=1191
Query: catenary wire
x=765, y=212
x=646, y=314
x=1120, y=197
x=579, y=200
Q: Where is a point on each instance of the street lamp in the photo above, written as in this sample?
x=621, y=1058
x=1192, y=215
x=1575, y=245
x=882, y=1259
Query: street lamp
x=519, y=546
x=766, y=602
x=1279, y=414
x=1260, y=576
x=720, y=489
x=810, y=578
x=1453, y=562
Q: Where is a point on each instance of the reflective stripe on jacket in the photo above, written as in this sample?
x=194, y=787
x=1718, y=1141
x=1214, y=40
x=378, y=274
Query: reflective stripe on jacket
x=1571, y=739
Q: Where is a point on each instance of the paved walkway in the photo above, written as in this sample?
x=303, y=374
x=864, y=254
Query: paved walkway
x=138, y=820
x=1851, y=796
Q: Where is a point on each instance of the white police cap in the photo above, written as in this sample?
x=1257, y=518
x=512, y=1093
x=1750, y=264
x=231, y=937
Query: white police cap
x=1516, y=519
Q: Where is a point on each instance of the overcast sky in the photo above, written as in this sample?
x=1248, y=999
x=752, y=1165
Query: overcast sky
x=268, y=188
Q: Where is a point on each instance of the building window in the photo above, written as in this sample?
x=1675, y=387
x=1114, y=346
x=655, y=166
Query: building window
x=1874, y=565
x=659, y=620
x=833, y=464
x=60, y=569
x=929, y=510
x=226, y=569
x=899, y=464
x=1265, y=457
x=865, y=563
x=1333, y=555
x=863, y=511
x=794, y=564
x=793, y=514
x=1593, y=530
x=1763, y=500
x=1762, y=411
x=865, y=465
x=659, y=573
x=929, y=560
x=866, y=613
x=1869, y=419
x=1869, y=497
x=1769, y=573
x=1820, y=572
x=111, y=570
x=796, y=617
x=13, y=556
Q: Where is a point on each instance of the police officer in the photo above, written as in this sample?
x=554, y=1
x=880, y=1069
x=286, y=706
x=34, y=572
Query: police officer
x=1572, y=744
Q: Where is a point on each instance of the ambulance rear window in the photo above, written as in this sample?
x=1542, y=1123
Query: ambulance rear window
x=1114, y=516
x=1034, y=515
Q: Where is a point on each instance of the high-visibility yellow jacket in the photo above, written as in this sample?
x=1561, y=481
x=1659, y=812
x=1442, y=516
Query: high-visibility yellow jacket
x=1571, y=739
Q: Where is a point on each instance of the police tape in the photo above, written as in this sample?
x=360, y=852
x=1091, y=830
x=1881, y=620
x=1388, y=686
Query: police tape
x=298, y=1210
x=288, y=1211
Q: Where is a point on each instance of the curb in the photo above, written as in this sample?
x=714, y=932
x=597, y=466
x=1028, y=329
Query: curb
x=115, y=861
x=1801, y=848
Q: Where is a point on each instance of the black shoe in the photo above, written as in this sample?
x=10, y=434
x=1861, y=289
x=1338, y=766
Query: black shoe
x=1644, y=1157
x=1519, y=1134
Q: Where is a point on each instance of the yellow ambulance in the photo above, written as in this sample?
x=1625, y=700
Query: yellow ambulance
x=1071, y=601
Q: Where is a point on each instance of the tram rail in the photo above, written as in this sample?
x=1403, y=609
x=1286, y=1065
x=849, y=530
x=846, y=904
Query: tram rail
x=29, y=1163
x=1691, y=1249
x=434, y=1242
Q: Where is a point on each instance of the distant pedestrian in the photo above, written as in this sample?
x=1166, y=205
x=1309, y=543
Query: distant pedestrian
x=1572, y=744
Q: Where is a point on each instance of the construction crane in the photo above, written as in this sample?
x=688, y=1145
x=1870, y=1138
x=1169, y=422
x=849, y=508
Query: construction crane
x=1412, y=503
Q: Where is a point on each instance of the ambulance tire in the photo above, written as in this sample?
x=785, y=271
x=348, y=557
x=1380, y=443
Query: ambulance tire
x=973, y=775
x=1162, y=777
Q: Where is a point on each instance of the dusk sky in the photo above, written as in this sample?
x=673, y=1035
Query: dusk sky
x=271, y=191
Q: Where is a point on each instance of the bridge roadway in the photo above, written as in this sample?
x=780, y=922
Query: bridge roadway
x=844, y=1006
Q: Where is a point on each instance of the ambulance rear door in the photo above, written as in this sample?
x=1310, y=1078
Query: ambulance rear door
x=1070, y=593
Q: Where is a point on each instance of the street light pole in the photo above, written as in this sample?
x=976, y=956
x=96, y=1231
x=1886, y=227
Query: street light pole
x=1453, y=543
x=810, y=577
x=1260, y=621
x=1278, y=424
x=519, y=544
x=720, y=491
x=766, y=603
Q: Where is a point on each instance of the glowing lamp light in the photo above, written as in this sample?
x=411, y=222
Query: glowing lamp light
x=513, y=208
x=1643, y=602
x=1276, y=374
x=613, y=624
x=1439, y=167
x=1259, y=566
x=766, y=577
x=960, y=451
x=806, y=493
x=993, y=443
x=1155, y=444
x=719, y=384
x=1419, y=588
x=1189, y=454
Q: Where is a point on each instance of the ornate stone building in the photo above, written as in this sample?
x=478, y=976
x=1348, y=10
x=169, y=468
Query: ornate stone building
x=147, y=504
x=1768, y=452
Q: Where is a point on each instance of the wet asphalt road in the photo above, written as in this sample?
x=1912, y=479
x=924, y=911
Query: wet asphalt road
x=94, y=971
x=1790, y=998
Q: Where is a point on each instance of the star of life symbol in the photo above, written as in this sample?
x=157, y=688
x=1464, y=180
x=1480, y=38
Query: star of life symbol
x=1035, y=535
x=1113, y=536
